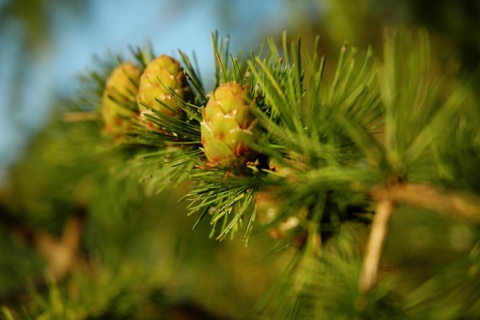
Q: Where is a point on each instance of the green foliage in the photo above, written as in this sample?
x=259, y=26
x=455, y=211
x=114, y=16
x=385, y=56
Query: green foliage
x=329, y=149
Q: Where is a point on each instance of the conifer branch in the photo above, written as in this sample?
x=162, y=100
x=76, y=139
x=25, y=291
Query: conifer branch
x=453, y=204
x=14, y=226
x=62, y=253
x=376, y=240
x=80, y=116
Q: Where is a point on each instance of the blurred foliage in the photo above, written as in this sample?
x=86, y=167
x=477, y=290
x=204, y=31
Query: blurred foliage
x=34, y=19
x=132, y=244
x=27, y=29
x=139, y=258
x=454, y=26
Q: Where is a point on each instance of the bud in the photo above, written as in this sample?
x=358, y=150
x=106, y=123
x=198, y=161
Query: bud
x=226, y=129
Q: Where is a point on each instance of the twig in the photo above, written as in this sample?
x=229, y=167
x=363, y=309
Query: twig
x=368, y=276
x=191, y=311
x=16, y=227
x=62, y=254
x=454, y=204
x=80, y=116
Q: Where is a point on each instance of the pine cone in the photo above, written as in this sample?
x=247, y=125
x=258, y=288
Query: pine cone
x=162, y=75
x=227, y=125
x=119, y=98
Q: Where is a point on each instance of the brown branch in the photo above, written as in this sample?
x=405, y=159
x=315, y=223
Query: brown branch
x=454, y=204
x=80, y=116
x=16, y=227
x=62, y=254
x=376, y=240
x=191, y=311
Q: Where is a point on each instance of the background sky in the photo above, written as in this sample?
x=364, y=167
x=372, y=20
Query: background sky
x=41, y=60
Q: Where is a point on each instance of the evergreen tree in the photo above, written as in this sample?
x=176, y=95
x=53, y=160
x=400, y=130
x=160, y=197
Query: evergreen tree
x=361, y=185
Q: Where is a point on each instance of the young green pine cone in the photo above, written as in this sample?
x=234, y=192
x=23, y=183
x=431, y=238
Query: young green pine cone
x=162, y=75
x=227, y=125
x=119, y=98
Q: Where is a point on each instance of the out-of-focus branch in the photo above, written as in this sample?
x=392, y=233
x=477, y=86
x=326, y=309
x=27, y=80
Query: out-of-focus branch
x=62, y=254
x=191, y=311
x=80, y=116
x=376, y=240
x=454, y=204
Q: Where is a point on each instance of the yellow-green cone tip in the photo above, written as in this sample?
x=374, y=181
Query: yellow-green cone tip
x=119, y=99
x=226, y=129
x=160, y=77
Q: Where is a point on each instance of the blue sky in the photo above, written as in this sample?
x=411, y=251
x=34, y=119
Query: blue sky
x=111, y=26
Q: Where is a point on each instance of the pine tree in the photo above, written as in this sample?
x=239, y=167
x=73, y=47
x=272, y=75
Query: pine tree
x=362, y=184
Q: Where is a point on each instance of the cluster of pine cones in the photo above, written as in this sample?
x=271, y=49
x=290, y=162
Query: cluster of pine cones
x=227, y=127
x=228, y=119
